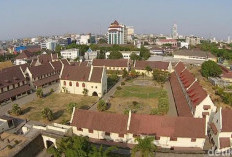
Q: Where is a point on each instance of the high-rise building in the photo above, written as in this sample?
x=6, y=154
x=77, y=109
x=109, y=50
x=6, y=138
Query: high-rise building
x=174, y=32
x=117, y=33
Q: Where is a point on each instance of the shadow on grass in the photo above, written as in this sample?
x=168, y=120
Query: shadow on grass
x=58, y=114
x=84, y=107
x=26, y=110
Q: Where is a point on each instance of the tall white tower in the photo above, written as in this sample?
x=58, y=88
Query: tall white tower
x=174, y=32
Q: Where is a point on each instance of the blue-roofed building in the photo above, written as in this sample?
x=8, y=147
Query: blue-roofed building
x=20, y=48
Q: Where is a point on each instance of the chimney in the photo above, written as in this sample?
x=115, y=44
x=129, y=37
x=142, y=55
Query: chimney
x=129, y=120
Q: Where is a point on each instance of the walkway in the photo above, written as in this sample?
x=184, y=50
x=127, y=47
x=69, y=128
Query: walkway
x=107, y=96
x=172, y=106
x=24, y=100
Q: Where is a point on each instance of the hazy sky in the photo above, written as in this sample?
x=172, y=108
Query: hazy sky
x=30, y=18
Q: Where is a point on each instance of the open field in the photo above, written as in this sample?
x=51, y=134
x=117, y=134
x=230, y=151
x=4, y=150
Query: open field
x=57, y=102
x=207, y=86
x=141, y=96
x=5, y=64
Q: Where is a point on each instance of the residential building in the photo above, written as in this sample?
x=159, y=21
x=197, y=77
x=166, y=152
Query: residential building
x=184, y=45
x=125, y=54
x=190, y=97
x=140, y=66
x=49, y=45
x=194, y=54
x=178, y=133
x=221, y=130
x=76, y=79
x=13, y=84
x=161, y=42
x=70, y=53
x=117, y=33
x=6, y=123
x=193, y=41
x=90, y=54
x=112, y=64
x=226, y=74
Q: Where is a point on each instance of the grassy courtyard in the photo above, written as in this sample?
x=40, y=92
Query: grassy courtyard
x=140, y=96
x=57, y=102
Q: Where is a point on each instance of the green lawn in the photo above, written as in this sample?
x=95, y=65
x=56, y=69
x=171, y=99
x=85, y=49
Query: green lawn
x=138, y=91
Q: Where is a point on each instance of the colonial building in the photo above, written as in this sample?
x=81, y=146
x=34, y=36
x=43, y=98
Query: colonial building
x=112, y=64
x=13, y=84
x=172, y=42
x=44, y=74
x=77, y=79
x=190, y=98
x=176, y=133
x=125, y=54
x=221, y=130
x=117, y=34
x=140, y=66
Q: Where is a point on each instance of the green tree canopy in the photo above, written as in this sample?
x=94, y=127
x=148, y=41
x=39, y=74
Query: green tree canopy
x=160, y=76
x=102, y=105
x=210, y=69
x=145, y=147
x=115, y=55
x=39, y=92
x=16, y=109
x=47, y=113
x=135, y=57
x=101, y=152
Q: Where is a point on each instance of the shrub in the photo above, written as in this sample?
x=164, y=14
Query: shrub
x=51, y=90
x=102, y=105
x=16, y=109
x=85, y=91
x=210, y=69
x=9, y=146
x=39, y=92
x=48, y=114
x=70, y=106
x=119, y=88
x=122, y=83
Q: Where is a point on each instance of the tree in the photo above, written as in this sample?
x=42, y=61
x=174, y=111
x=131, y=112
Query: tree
x=71, y=147
x=39, y=92
x=85, y=91
x=210, y=69
x=102, y=41
x=115, y=55
x=135, y=57
x=160, y=76
x=100, y=152
x=48, y=114
x=77, y=59
x=70, y=106
x=145, y=146
x=144, y=53
x=125, y=73
x=102, y=105
x=16, y=109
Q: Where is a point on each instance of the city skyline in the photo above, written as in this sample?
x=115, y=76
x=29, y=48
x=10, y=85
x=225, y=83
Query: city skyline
x=39, y=18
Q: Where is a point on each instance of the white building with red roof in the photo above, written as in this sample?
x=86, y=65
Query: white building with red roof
x=221, y=130
x=177, y=133
x=75, y=79
x=192, y=98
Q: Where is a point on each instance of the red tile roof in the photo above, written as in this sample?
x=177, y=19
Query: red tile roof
x=45, y=58
x=141, y=65
x=179, y=97
x=64, y=61
x=40, y=70
x=46, y=80
x=226, y=120
x=57, y=65
x=179, y=67
x=186, y=78
x=196, y=93
x=111, y=62
x=81, y=73
x=103, y=121
x=14, y=92
x=224, y=142
x=25, y=55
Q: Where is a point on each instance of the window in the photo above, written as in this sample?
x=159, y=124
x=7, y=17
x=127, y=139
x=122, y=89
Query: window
x=157, y=138
x=70, y=83
x=80, y=129
x=77, y=84
x=83, y=84
x=64, y=83
x=173, y=139
x=90, y=131
x=121, y=135
x=107, y=133
x=135, y=135
x=96, y=87
x=91, y=86
x=193, y=140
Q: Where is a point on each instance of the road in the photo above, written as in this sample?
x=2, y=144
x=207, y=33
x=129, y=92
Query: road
x=24, y=100
x=110, y=93
x=172, y=106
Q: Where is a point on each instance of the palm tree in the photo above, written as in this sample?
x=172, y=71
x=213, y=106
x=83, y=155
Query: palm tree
x=100, y=152
x=145, y=146
x=16, y=109
x=85, y=91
